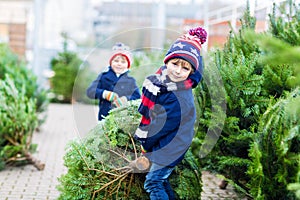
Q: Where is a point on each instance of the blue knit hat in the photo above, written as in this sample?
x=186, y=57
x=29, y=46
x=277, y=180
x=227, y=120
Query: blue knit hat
x=188, y=46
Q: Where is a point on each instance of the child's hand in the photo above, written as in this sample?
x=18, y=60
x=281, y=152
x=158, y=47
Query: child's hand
x=120, y=101
x=110, y=96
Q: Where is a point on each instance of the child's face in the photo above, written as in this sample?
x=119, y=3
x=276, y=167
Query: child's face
x=178, y=70
x=119, y=64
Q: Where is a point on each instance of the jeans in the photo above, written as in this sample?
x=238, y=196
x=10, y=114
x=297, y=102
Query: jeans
x=157, y=183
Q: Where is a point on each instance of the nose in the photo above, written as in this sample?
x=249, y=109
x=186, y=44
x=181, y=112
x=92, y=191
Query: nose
x=178, y=69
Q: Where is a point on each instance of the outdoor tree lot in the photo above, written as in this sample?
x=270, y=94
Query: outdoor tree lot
x=247, y=128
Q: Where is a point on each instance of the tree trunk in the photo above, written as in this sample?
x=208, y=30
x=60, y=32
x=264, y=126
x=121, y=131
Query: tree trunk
x=37, y=163
x=141, y=163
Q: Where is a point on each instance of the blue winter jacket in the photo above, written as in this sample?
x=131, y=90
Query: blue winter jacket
x=171, y=130
x=124, y=85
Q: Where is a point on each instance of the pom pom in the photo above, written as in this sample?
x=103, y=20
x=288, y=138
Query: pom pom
x=200, y=33
x=120, y=46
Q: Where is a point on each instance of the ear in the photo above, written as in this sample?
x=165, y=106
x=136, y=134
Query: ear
x=192, y=71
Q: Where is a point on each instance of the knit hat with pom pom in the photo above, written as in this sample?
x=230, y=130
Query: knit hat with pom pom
x=123, y=50
x=188, y=46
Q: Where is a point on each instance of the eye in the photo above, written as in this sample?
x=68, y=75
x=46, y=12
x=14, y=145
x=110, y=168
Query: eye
x=186, y=68
x=175, y=64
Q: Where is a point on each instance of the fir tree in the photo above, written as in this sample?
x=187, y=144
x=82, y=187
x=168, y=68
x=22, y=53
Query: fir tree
x=252, y=88
x=98, y=165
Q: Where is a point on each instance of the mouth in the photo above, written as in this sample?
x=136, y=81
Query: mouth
x=176, y=76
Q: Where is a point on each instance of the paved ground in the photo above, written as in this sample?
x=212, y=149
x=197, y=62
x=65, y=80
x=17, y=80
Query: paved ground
x=64, y=123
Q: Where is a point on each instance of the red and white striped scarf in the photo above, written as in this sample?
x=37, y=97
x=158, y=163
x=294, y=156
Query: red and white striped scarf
x=153, y=86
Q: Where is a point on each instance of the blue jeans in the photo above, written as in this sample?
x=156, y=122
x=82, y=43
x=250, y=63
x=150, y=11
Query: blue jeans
x=157, y=183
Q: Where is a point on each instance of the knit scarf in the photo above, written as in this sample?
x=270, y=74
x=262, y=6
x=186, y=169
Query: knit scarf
x=153, y=86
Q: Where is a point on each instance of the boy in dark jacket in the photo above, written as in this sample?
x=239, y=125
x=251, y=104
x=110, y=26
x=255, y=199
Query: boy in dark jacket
x=114, y=87
x=168, y=112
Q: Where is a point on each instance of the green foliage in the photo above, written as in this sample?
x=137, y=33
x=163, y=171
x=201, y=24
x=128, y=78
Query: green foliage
x=66, y=66
x=284, y=23
x=246, y=100
x=281, y=50
x=248, y=21
x=22, y=108
x=98, y=164
x=210, y=103
x=144, y=64
x=186, y=178
x=296, y=186
x=23, y=78
x=252, y=87
x=18, y=121
x=275, y=152
x=279, y=56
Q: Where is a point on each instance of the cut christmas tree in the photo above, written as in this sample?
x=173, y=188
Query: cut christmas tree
x=106, y=163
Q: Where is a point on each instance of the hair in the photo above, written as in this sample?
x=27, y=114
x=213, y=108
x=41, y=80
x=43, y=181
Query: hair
x=183, y=63
x=120, y=56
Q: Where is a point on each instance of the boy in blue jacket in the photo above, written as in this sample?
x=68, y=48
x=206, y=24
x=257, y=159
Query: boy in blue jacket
x=168, y=112
x=114, y=87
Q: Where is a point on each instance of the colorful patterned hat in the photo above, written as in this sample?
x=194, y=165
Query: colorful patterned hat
x=123, y=50
x=188, y=46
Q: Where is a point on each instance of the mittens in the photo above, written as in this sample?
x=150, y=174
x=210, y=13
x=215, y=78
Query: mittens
x=109, y=96
x=143, y=150
x=120, y=101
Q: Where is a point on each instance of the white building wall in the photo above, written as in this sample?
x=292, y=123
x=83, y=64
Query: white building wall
x=70, y=16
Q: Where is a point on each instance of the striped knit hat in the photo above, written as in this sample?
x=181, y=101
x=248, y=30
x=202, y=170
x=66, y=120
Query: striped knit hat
x=123, y=50
x=188, y=46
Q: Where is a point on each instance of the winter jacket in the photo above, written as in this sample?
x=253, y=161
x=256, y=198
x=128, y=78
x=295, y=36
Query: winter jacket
x=168, y=113
x=124, y=85
x=171, y=130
